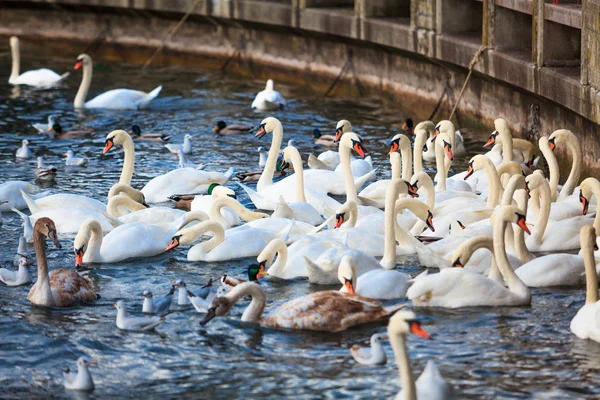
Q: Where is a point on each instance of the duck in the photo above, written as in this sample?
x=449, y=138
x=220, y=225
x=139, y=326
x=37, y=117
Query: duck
x=16, y=278
x=47, y=127
x=62, y=287
x=115, y=99
x=255, y=272
x=82, y=380
x=268, y=99
x=375, y=355
x=24, y=151
x=73, y=161
x=457, y=287
x=137, y=324
x=379, y=283
x=408, y=127
x=159, y=188
x=585, y=324
x=43, y=171
x=11, y=192
x=40, y=78
x=328, y=311
x=221, y=128
x=431, y=385
x=183, y=292
x=186, y=146
x=57, y=132
x=158, y=306
x=133, y=240
x=324, y=140
x=136, y=133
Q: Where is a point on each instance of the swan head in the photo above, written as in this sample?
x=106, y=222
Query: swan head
x=347, y=274
x=83, y=60
x=118, y=136
x=560, y=136
x=349, y=207
x=147, y=294
x=342, y=127
x=46, y=227
x=83, y=237
x=270, y=85
x=462, y=255
x=267, y=255
x=501, y=126
x=220, y=125
x=221, y=306
x=512, y=214
x=534, y=181
x=405, y=322
x=446, y=143
x=418, y=208
x=476, y=163
x=444, y=126
x=586, y=191
x=399, y=141
x=135, y=130
x=14, y=41
x=268, y=125
x=353, y=141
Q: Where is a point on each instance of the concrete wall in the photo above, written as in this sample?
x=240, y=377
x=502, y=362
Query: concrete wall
x=403, y=50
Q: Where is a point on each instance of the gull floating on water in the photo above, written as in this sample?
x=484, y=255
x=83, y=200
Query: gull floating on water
x=370, y=356
x=47, y=127
x=74, y=161
x=82, y=380
x=182, y=294
x=24, y=151
x=43, y=171
x=140, y=324
x=16, y=278
x=185, y=163
x=158, y=306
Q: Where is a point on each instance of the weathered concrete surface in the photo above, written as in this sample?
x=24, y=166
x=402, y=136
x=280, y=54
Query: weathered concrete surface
x=402, y=58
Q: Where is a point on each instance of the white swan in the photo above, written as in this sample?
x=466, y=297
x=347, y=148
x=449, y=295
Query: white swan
x=115, y=99
x=430, y=385
x=129, y=211
x=127, y=241
x=204, y=203
x=519, y=150
x=586, y=323
x=69, y=220
x=62, y=200
x=456, y=287
x=268, y=99
x=41, y=78
x=462, y=255
x=10, y=191
x=563, y=137
x=158, y=189
x=377, y=283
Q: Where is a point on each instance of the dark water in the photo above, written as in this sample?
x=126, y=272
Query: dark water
x=523, y=352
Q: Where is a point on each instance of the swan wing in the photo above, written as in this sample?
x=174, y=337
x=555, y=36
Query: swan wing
x=39, y=77
x=122, y=99
x=69, y=288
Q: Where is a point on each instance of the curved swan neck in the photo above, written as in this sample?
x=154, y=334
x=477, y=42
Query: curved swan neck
x=440, y=167
x=92, y=232
x=591, y=277
x=544, y=213
x=118, y=203
x=389, y=256
x=128, y=161
x=84, y=87
x=420, y=140
x=494, y=184
x=266, y=178
x=276, y=247
x=254, y=311
x=351, y=208
x=237, y=207
x=406, y=152
x=43, y=282
x=16, y=58
x=398, y=342
x=507, y=144
x=553, y=169
x=298, y=172
x=576, y=167
x=426, y=184
x=519, y=244
x=200, y=229
x=515, y=284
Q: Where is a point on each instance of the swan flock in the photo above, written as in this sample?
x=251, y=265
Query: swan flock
x=485, y=234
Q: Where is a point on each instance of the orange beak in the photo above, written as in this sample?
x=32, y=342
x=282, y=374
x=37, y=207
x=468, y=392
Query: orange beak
x=359, y=149
x=522, y=224
x=339, y=220
x=470, y=172
x=457, y=264
x=107, y=146
x=260, y=132
x=436, y=132
x=78, y=65
x=92, y=363
x=79, y=258
x=412, y=190
x=393, y=147
x=430, y=222
x=349, y=286
x=174, y=243
x=415, y=327
x=551, y=144
x=448, y=149
x=584, y=202
x=338, y=135
x=490, y=141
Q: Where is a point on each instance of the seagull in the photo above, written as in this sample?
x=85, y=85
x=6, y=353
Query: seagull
x=21, y=251
x=262, y=161
x=27, y=225
x=24, y=151
x=186, y=146
x=82, y=380
x=45, y=128
x=370, y=356
x=185, y=163
x=158, y=306
x=139, y=324
x=201, y=305
x=44, y=172
x=74, y=161
x=16, y=278
x=182, y=299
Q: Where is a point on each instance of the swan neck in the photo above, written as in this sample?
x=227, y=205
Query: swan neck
x=241, y=211
x=43, y=282
x=122, y=205
x=420, y=138
x=515, y=284
x=553, y=169
x=128, y=161
x=282, y=255
x=266, y=178
x=84, y=87
x=519, y=244
x=351, y=194
x=406, y=161
x=254, y=311
x=440, y=166
x=591, y=277
x=576, y=167
x=395, y=164
x=389, y=254
x=507, y=145
x=299, y=173
x=16, y=60
x=494, y=185
x=544, y=213
x=398, y=341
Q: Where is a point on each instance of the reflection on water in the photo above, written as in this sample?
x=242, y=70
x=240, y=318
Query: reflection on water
x=507, y=352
